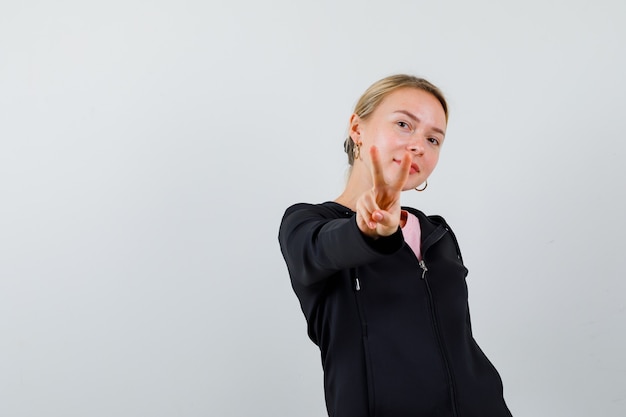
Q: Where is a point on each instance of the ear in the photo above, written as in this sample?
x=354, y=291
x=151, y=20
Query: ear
x=355, y=128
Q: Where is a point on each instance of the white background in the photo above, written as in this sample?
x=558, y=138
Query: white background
x=149, y=149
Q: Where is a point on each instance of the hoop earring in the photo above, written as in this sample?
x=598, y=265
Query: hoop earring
x=356, y=151
x=423, y=188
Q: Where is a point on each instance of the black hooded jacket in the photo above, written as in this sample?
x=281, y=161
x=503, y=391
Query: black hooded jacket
x=394, y=333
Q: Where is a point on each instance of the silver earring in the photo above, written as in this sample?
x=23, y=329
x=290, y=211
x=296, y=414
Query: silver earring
x=423, y=188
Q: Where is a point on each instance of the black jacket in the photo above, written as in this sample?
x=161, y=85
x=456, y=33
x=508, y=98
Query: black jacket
x=395, y=335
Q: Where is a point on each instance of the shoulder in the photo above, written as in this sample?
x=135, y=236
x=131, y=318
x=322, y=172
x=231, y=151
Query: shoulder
x=329, y=210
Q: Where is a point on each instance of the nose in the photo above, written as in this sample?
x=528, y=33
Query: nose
x=416, y=146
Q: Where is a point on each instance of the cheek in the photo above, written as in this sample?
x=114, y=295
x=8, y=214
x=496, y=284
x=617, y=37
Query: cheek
x=386, y=138
x=433, y=161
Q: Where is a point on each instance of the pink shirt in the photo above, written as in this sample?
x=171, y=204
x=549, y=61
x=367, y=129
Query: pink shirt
x=412, y=233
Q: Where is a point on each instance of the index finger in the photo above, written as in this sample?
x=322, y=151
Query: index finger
x=377, y=170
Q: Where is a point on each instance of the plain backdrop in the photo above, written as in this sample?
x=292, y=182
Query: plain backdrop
x=148, y=150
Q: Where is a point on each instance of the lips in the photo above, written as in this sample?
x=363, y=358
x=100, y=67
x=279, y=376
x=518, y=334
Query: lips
x=414, y=167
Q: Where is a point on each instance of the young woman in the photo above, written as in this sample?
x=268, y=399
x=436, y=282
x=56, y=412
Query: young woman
x=383, y=286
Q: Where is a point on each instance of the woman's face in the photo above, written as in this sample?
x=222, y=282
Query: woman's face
x=407, y=120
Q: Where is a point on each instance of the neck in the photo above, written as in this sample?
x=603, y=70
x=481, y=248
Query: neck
x=358, y=183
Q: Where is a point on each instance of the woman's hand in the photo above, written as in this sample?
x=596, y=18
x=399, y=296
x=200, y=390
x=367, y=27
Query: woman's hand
x=378, y=210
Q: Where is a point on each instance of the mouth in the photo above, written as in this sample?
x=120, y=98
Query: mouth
x=414, y=167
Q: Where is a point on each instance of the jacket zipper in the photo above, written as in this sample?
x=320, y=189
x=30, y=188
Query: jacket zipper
x=433, y=312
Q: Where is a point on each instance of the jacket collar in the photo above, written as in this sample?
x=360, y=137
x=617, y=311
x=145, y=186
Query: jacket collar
x=433, y=228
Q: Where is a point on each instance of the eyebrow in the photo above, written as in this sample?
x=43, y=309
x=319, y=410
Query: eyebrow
x=415, y=118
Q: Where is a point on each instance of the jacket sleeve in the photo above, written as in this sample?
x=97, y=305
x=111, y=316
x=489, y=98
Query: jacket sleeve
x=316, y=246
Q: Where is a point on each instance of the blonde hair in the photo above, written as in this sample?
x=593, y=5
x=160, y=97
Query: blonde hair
x=375, y=94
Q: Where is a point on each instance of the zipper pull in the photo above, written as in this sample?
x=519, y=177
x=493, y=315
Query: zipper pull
x=424, y=269
x=357, y=284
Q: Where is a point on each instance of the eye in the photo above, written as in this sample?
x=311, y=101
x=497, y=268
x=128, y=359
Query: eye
x=403, y=125
x=434, y=141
